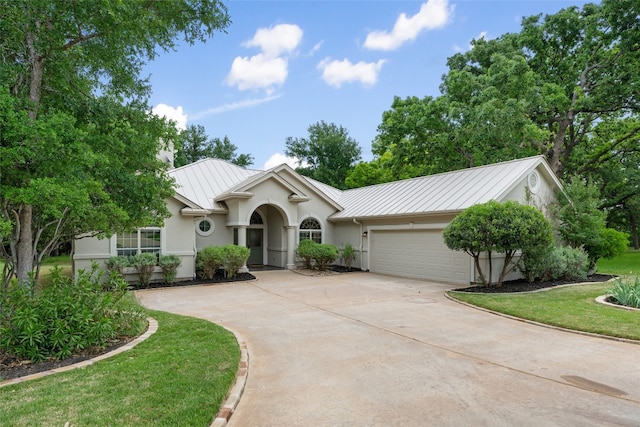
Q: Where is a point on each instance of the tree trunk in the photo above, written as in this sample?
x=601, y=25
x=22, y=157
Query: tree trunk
x=634, y=231
x=25, y=246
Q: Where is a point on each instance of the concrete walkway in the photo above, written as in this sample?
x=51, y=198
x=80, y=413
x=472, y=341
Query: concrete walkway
x=367, y=350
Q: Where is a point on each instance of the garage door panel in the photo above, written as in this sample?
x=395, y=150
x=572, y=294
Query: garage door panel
x=417, y=254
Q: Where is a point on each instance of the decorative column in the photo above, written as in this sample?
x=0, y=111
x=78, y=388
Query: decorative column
x=242, y=242
x=291, y=247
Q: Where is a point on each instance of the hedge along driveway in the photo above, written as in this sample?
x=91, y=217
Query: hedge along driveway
x=366, y=349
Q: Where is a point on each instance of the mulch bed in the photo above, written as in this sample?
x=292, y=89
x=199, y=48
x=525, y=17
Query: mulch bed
x=524, y=286
x=12, y=367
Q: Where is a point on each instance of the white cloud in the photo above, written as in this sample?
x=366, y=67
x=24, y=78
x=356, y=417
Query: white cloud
x=315, y=48
x=175, y=114
x=433, y=14
x=268, y=69
x=278, y=158
x=234, y=106
x=274, y=41
x=258, y=72
x=335, y=72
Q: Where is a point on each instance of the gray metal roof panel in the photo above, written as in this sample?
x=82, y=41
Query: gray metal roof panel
x=446, y=192
x=203, y=180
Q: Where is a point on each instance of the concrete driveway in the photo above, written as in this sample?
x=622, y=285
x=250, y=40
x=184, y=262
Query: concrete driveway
x=367, y=350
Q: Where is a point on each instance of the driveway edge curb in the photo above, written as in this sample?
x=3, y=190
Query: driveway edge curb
x=233, y=398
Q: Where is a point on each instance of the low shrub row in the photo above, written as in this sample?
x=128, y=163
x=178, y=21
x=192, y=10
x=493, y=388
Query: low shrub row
x=145, y=264
x=230, y=258
x=317, y=255
x=556, y=263
x=66, y=316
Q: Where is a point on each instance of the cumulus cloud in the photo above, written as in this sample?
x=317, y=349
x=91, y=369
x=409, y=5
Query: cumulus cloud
x=258, y=72
x=278, y=40
x=335, y=72
x=268, y=69
x=278, y=158
x=433, y=14
x=171, y=113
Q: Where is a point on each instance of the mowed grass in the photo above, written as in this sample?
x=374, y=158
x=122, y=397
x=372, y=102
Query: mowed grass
x=627, y=264
x=571, y=307
x=178, y=377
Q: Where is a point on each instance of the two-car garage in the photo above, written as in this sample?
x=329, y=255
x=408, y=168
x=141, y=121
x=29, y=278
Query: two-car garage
x=419, y=254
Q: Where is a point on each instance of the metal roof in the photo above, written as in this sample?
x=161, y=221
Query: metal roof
x=205, y=179
x=441, y=193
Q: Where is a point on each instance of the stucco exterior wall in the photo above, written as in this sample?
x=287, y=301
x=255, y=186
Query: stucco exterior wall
x=178, y=238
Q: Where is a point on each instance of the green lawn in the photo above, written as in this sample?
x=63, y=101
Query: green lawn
x=177, y=377
x=627, y=264
x=571, y=307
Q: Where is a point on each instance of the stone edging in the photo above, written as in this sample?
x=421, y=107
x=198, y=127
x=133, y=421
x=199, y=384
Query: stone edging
x=233, y=398
x=151, y=329
x=602, y=299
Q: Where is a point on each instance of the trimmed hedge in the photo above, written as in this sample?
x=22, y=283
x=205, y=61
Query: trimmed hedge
x=229, y=257
x=317, y=255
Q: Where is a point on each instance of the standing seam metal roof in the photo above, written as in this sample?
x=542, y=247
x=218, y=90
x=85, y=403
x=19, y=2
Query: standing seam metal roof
x=446, y=192
x=203, y=181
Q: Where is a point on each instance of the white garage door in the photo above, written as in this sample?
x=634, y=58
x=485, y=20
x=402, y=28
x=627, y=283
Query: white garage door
x=417, y=254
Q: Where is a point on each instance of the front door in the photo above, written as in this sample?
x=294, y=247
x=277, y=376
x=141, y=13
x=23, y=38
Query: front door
x=254, y=242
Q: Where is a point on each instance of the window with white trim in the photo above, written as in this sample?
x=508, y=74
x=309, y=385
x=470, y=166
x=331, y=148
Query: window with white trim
x=205, y=227
x=142, y=240
x=310, y=229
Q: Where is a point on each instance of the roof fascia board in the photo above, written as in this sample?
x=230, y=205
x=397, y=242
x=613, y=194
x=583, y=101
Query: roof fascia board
x=186, y=201
x=307, y=184
x=396, y=216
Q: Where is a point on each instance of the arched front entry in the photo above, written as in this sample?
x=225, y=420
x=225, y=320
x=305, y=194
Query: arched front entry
x=267, y=238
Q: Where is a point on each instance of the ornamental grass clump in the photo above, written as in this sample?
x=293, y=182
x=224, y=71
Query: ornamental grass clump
x=626, y=293
x=348, y=255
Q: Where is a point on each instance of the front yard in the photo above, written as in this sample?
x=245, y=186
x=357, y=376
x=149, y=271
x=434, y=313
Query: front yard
x=572, y=307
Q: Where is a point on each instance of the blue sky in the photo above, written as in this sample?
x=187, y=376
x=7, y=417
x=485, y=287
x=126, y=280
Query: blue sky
x=284, y=65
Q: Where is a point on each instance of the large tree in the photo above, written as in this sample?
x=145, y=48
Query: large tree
x=194, y=144
x=79, y=148
x=540, y=91
x=327, y=155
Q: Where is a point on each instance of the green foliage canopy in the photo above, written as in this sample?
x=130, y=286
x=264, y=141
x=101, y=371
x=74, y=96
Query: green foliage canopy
x=193, y=144
x=543, y=90
x=498, y=227
x=583, y=224
x=78, y=144
x=327, y=155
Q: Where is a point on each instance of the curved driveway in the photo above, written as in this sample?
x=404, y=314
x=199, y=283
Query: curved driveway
x=362, y=349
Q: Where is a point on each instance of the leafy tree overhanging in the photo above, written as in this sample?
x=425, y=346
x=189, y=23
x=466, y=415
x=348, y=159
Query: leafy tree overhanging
x=78, y=146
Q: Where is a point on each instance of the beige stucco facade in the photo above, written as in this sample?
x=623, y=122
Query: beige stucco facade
x=264, y=211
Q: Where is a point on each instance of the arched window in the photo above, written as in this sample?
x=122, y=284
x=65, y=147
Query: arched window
x=310, y=229
x=255, y=219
